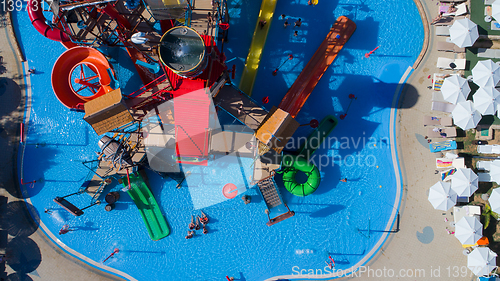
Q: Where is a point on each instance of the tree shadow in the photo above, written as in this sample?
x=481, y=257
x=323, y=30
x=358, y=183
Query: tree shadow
x=15, y=218
x=18, y=276
x=9, y=91
x=3, y=69
x=24, y=255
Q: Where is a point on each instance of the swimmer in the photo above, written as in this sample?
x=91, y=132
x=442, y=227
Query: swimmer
x=191, y=224
x=197, y=226
x=190, y=234
x=65, y=229
x=204, y=218
x=205, y=231
x=343, y=180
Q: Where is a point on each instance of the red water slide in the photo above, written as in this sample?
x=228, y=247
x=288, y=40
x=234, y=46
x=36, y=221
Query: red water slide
x=297, y=95
x=67, y=63
x=37, y=18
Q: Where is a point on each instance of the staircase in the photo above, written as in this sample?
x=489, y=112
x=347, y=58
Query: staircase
x=269, y=192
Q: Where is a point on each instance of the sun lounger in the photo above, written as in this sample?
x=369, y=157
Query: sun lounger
x=447, y=21
x=446, y=175
x=495, y=25
x=449, y=47
x=483, y=165
x=443, y=163
x=438, y=121
x=442, y=145
x=442, y=106
x=438, y=96
x=461, y=10
x=442, y=30
x=446, y=63
x=437, y=81
x=489, y=149
x=442, y=133
x=488, y=53
x=484, y=177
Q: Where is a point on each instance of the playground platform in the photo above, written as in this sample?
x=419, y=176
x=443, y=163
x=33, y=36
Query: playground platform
x=241, y=106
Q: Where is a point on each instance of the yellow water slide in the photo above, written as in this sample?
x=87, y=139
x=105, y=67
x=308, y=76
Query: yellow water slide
x=257, y=45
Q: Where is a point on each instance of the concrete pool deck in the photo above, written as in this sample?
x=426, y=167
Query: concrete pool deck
x=420, y=246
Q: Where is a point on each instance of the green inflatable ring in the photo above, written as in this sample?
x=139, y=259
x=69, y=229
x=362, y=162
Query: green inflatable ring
x=292, y=165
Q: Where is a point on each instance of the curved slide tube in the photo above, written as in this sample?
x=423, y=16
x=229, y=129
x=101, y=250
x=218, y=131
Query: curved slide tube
x=64, y=66
x=37, y=18
x=256, y=47
x=292, y=166
x=316, y=138
x=148, y=207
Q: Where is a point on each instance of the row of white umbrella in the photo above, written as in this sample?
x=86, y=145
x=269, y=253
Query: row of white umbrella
x=466, y=115
x=443, y=195
x=468, y=230
x=455, y=89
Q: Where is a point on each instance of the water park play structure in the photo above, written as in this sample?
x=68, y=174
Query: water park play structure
x=148, y=207
x=185, y=67
x=252, y=62
x=78, y=57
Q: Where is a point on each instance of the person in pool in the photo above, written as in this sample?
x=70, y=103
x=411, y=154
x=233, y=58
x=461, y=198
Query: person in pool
x=205, y=231
x=190, y=234
x=197, y=226
x=203, y=219
x=191, y=224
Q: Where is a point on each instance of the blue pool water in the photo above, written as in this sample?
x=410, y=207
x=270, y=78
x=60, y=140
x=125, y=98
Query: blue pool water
x=332, y=221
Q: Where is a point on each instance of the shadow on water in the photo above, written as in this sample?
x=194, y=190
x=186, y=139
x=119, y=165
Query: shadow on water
x=45, y=153
x=16, y=219
x=87, y=227
x=326, y=211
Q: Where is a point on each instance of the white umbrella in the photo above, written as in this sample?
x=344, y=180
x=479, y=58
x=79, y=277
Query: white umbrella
x=495, y=10
x=441, y=196
x=468, y=230
x=486, y=100
x=463, y=33
x=494, y=171
x=465, y=115
x=494, y=200
x=482, y=261
x=464, y=182
x=455, y=89
x=486, y=73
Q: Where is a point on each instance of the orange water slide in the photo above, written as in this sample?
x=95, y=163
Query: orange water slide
x=298, y=94
x=71, y=59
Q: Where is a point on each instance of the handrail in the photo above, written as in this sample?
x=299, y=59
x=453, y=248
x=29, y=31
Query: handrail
x=146, y=87
x=179, y=126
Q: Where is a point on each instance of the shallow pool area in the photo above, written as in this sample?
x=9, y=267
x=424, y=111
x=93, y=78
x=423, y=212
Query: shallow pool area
x=345, y=220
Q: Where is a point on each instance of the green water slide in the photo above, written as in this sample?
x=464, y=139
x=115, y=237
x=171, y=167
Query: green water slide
x=293, y=165
x=316, y=138
x=148, y=207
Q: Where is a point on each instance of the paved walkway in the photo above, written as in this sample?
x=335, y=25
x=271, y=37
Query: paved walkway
x=28, y=250
x=420, y=248
x=422, y=245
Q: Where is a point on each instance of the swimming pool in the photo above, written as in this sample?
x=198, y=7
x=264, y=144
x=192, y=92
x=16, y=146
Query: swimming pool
x=332, y=221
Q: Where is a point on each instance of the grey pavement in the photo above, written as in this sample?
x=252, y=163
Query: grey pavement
x=30, y=255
